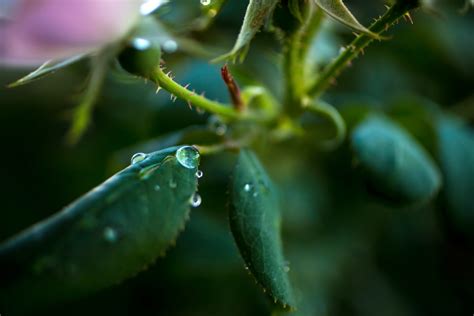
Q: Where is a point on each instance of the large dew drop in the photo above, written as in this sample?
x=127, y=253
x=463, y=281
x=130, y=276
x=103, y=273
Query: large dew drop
x=138, y=157
x=188, y=157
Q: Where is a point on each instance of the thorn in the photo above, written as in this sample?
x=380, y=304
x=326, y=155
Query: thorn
x=386, y=7
x=190, y=105
x=187, y=85
x=408, y=16
x=158, y=89
x=168, y=73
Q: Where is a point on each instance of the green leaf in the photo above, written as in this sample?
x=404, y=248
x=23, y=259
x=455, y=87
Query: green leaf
x=46, y=69
x=255, y=222
x=257, y=12
x=396, y=165
x=338, y=11
x=106, y=236
x=456, y=156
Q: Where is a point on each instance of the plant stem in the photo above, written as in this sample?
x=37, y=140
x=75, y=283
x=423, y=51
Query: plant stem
x=295, y=58
x=199, y=101
x=331, y=114
x=226, y=111
x=399, y=9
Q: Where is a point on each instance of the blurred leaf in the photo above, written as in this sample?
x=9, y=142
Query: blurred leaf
x=397, y=165
x=456, y=155
x=255, y=222
x=46, y=69
x=257, y=12
x=106, y=236
x=338, y=11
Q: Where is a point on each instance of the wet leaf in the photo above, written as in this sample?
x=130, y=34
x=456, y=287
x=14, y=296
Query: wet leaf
x=456, y=156
x=255, y=222
x=46, y=69
x=106, y=236
x=338, y=11
x=257, y=12
x=396, y=165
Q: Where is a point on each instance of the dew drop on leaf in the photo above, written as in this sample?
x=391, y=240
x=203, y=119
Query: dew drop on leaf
x=188, y=157
x=195, y=200
x=247, y=187
x=199, y=174
x=110, y=234
x=138, y=157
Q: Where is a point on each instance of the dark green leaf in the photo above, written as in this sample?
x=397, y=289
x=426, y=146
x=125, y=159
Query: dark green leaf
x=456, y=155
x=338, y=11
x=45, y=69
x=255, y=222
x=257, y=12
x=397, y=166
x=106, y=236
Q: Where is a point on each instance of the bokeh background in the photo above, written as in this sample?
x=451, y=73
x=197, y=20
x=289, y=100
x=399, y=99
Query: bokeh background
x=350, y=251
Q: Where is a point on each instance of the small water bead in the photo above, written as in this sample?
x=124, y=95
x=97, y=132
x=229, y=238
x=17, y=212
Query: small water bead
x=110, y=234
x=188, y=156
x=172, y=184
x=157, y=187
x=150, y=6
x=170, y=46
x=205, y=2
x=216, y=125
x=199, y=174
x=138, y=157
x=286, y=267
x=195, y=200
x=247, y=187
x=141, y=43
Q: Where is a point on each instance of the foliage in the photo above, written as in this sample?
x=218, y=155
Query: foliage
x=341, y=190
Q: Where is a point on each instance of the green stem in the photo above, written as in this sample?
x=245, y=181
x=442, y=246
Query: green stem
x=331, y=114
x=83, y=112
x=225, y=111
x=357, y=46
x=295, y=59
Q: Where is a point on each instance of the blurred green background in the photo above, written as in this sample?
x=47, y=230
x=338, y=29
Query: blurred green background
x=350, y=251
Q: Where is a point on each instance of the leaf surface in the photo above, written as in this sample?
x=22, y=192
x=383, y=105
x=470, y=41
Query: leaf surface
x=106, y=236
x=256, y=14
x=255, y=222
x=339, y=11
x=396, y=165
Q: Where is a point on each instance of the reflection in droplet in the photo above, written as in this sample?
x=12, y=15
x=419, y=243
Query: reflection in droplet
x=247, y=187
x=199, y=174
x=188, y=157
x=195, y=200
x=170, y=46
x=172, y=184
x=150, y=6
x=205, y=2
x=157, y=187
x=141, y=43
x=138, y=157
x=110, y=234
x=216, y=125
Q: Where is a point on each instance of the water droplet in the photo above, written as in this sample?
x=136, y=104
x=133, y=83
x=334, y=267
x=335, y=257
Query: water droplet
x=205, y=2
x=150, y=6
x=216, y=125
x=173, y=184
x=138, y=157
x=157, y=187
x=188, y=157
x=195, y=200
x=286, y=266
x=247, y=187
x=141, y=43
x=199, y=174
x=110, y=234
x=255, y=194
x=170, y=46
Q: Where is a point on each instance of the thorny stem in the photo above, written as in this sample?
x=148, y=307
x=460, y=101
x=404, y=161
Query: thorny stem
x=199, y=101
x=399, y=9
